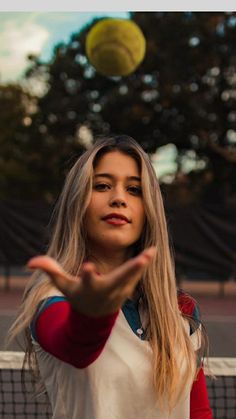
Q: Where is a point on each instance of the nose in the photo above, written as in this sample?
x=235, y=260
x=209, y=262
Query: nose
x=117, y=203
x=118, y=199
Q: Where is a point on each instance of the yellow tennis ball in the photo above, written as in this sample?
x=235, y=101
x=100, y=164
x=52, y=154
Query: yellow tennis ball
x=115, y=47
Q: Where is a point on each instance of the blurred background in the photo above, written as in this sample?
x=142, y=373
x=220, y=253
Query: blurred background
x=180, y=105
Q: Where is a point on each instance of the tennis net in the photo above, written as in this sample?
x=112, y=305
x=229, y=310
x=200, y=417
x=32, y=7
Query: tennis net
x=16, y=402
x=222, y=389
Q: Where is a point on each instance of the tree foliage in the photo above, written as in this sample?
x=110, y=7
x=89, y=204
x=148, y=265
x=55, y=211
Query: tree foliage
x=16, y=107
x=184, y=93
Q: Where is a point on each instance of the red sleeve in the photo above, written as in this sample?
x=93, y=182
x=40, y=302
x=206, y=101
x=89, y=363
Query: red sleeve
x=187, y=304
x=73, y=337
x=199, y=402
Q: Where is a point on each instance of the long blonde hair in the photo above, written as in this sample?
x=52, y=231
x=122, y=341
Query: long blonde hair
x=165, y=328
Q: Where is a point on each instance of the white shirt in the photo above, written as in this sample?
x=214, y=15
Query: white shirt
x=117, y=385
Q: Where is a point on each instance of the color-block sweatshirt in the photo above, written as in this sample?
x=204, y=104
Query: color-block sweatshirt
x=100, y=368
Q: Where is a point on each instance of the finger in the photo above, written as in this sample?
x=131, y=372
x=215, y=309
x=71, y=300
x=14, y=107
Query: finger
x=139, y=261
x=46, y=263
x=63, y=281
x=145, y=257
x=88, y=273
x=132, y=269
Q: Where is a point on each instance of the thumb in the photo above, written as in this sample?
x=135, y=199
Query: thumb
x=59, y=277
x=47, y=264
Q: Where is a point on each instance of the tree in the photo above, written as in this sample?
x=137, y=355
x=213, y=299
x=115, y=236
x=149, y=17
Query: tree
x=17, y=107
x=183, y=93
x=193, y=57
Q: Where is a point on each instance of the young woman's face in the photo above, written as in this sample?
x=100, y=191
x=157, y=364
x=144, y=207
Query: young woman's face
x=115, y=216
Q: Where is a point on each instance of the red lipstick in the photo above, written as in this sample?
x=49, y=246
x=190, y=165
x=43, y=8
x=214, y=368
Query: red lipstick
x=116, y=219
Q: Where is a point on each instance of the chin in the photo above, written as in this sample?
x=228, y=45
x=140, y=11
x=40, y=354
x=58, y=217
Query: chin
x=116, y=244
x=114, y=241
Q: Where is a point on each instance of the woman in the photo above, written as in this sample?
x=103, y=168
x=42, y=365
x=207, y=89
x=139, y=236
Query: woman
x=113, y=339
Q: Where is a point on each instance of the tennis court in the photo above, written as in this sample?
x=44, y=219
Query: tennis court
x=219, y=315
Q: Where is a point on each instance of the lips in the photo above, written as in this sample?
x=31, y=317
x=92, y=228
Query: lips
x=115, y=216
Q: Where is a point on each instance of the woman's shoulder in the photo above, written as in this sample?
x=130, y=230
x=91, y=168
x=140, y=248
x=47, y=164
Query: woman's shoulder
x=189, y=308
x=188, y=305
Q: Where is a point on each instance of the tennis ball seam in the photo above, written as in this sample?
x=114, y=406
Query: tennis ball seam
x=118, y=44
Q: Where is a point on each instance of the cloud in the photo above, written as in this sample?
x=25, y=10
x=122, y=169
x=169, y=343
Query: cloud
x=22, y=33
x=18, y=39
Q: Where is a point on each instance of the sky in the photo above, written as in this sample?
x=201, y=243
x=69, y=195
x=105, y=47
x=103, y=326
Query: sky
x=22, y=33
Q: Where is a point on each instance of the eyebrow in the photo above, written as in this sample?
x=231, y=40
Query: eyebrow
x=109, y=176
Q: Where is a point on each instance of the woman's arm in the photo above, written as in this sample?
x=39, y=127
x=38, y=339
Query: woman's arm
x=77, y=329
x=69, y=335
x=199, y=402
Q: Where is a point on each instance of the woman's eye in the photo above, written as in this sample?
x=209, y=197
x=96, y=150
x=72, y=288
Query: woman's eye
x=101, y=187
x=135, y=190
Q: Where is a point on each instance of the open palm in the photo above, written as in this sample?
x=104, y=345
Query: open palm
x=91, y=293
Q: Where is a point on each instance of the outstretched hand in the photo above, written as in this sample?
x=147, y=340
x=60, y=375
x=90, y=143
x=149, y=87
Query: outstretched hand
x=93, y=294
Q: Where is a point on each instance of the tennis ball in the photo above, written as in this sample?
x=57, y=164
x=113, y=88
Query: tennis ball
x=115, y=47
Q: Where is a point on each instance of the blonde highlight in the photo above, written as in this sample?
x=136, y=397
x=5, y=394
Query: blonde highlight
x=165, y=328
